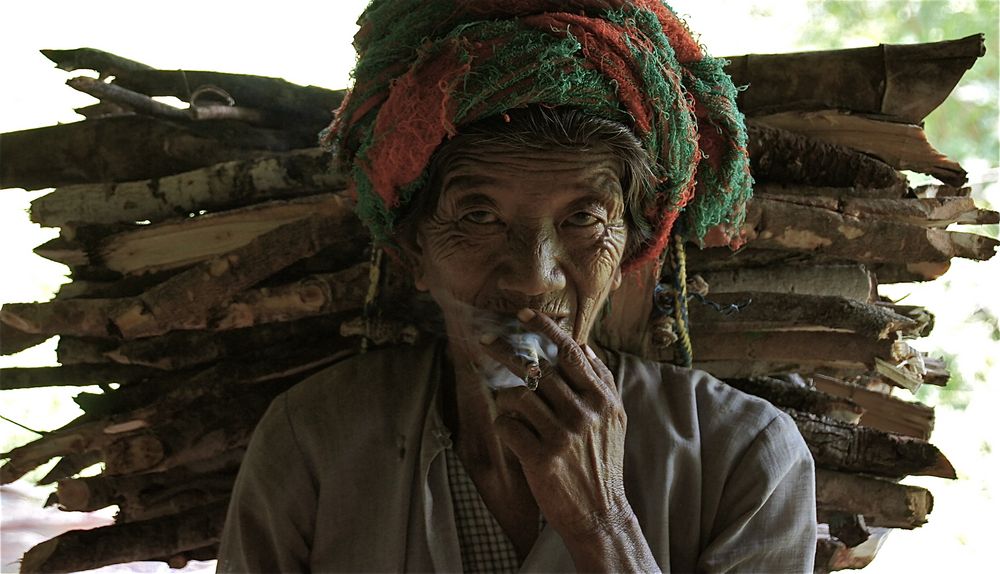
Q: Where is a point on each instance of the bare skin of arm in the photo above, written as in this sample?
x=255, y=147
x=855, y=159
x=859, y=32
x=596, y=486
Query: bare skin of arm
x=569, y=437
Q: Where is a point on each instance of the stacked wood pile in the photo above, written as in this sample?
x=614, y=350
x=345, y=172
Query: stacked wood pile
x=216, y=262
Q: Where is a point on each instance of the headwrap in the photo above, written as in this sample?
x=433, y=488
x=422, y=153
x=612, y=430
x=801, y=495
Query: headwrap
x=427, y=67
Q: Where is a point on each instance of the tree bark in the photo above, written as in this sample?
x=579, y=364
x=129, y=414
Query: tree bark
x=849, y=448
x=781, y=156
x=78, y=550
x=882, y=411
x=848, y=281
x=903, y=82
x=105, y=63
x=215, y=188
x=127, y=148
x=73, y=375
x=782, y=225
x=792, y=396
x=794, y=312
x=883, y=503
x=903, y=146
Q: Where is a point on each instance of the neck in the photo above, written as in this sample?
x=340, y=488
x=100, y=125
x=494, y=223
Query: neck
x=469, y=410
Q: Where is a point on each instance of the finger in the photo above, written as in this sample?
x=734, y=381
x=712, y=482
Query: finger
x=572, y=361
x=518, y=437
x=556, y=392
x=599, y=367
x=529, y=407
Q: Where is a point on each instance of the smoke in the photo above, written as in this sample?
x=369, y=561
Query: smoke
x=532, y=350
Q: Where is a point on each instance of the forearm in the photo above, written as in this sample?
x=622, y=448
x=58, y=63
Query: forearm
x=612, y=544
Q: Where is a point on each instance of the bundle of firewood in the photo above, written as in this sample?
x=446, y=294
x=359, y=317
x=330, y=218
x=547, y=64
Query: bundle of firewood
x=216, y=262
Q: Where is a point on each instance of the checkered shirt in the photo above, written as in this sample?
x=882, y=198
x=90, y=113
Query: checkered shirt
x=485, y=546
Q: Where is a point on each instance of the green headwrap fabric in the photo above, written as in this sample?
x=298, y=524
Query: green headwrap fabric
x=427, y=67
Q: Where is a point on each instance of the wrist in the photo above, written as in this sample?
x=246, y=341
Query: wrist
x=610, y=541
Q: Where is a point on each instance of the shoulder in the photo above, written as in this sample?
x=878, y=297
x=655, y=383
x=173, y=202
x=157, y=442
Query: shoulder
x=371, y=396
x=692, y=400
x=365, y=380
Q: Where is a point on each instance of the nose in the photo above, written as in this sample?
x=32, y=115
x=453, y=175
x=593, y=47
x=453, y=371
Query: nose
x=533, y=263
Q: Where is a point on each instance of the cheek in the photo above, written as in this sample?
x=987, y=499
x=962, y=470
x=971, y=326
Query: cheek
x=600, y=257
x=452, y=260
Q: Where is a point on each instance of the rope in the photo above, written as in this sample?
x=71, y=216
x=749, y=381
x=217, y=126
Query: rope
x=370, y=309
x=678, y=259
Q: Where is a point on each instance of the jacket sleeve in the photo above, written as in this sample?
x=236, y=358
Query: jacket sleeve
x=767, y=515
x=269, y=526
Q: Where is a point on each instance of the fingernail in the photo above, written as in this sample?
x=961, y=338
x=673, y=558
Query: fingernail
x=525, y=315
x=487, y=338
x=590, y=352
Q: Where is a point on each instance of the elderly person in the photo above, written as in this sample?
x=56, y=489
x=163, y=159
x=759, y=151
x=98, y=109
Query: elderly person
x=521, y=157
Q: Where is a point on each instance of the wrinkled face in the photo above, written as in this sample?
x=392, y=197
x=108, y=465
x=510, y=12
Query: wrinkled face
x=514, y=229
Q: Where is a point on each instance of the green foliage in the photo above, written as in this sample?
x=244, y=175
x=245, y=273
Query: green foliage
x=956, y=394
x=964, y=127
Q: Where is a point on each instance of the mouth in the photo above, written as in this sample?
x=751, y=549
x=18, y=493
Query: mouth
x=505, y=320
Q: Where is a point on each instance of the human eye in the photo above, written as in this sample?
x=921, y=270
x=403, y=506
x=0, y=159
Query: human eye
x=582, y=219
x=481, y=217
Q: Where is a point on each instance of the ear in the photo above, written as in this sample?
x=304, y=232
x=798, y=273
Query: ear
x=412, y=250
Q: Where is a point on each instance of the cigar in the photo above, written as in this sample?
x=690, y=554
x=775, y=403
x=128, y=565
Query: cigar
x=525, y=349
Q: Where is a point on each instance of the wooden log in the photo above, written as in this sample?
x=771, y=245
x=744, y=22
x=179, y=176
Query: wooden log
x=73, y=375
x=723, y=258
x=310, y=296
x=795, y=312
x=882, y=411
x=802, y=349
x=904, y=82
x=883, y=503
x=64, y=250
x=848, y=528
x=140, y=103
x=143, y=104
x=209, y=285
x=801, y=398
x=928, y=212
x=105, y=63
x=127, y=148
x=175, y=244
x=103, y=110
x=71, y=464
x=83, y=350
x=308, y=106
x=78, y=550
x=782, y=225
x=848, y=281
x=903, y=146
x=850, y=448
x=73, y=438
x=778, y=155
x=13, y=340
x=937, y=371
x=786, y=189
x=198, y=432
x=215, y=188
x=144, y=496
x=185, y=349
x=315, y=295
x=923, y=317
x=913, y=272
x=159, y=433
x=941, y=190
